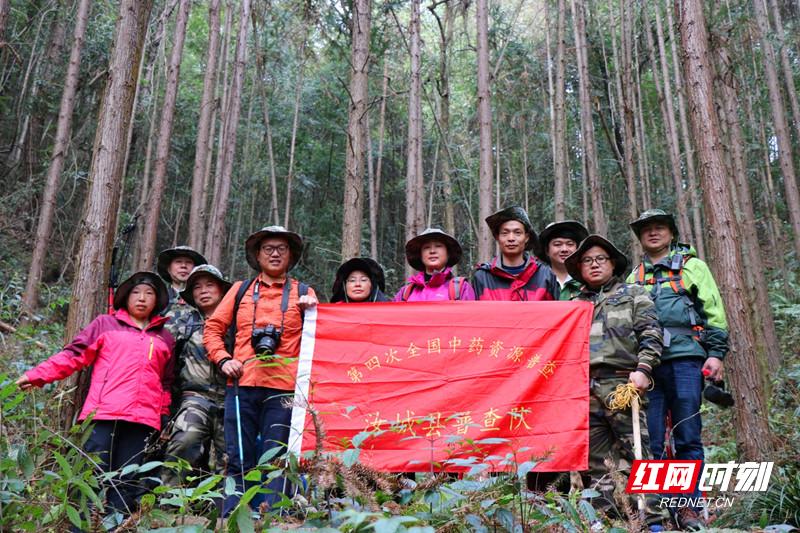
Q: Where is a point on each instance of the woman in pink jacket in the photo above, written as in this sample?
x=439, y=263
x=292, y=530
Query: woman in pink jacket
x=130, y=387
x=433, y=253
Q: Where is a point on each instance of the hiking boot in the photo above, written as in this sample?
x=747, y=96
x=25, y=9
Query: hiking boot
x=688, y=519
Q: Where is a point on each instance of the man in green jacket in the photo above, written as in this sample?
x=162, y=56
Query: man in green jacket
x=691, y=312
x=625, y=347
x=557, y=242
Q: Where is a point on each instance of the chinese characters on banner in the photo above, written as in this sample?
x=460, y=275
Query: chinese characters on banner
x=452, y=383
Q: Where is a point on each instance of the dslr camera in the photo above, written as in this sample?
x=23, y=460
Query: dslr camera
x=265, y=340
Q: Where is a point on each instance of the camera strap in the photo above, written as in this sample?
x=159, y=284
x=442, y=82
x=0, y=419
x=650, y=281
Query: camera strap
x=287, y=287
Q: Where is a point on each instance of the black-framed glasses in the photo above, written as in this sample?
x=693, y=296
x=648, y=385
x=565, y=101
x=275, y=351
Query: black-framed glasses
x=600, y=260
x=269, y=250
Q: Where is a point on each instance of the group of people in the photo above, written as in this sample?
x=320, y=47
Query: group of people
x=212, y=362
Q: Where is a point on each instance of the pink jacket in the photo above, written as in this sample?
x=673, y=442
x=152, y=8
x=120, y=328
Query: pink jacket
x=133, y=368
x=437, y=289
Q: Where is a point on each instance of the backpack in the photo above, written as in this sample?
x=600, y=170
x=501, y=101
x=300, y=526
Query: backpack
x=230, y=335
x=675, y=279
x=453, y=289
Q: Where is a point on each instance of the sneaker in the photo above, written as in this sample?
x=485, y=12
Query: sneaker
x=688, y=519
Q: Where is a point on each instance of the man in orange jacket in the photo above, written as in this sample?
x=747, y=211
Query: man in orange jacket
x=261, y=364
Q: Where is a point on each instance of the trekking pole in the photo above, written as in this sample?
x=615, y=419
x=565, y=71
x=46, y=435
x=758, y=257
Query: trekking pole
x=637, y=447
x=239, y=426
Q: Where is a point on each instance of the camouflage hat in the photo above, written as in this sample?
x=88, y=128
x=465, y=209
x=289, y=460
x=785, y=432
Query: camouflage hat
x=567, y=229
x=166, y=257
x=142, y=278
x=573, y=262
x=365, y=264
x=414, y=247
x=203, y=270
x=515, y=212
x=253, y=243
x=654, y=215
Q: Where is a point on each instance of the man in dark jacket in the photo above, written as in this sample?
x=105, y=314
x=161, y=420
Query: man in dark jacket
x=515, y=274
x=557, y=241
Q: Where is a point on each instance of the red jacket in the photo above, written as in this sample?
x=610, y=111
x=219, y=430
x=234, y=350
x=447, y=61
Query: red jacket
x=535, y=283
x=133, y=368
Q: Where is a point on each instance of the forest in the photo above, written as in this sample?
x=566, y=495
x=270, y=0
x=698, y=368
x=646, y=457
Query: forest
x=133, y=126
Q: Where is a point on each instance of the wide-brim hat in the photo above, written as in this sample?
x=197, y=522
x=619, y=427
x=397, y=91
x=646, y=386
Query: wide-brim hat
x=166, y=257
x=142, y=278
x=573, y=262
x=203, y=270
x=253, y=243
x=414, y=248
x=654, y=215
x=571, y=229
x=369, y=266
x=515, y=212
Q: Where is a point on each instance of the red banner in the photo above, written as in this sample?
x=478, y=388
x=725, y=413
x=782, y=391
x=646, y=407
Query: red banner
x=451, y=384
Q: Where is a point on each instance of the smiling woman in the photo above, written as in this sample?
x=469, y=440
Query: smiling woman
x=360, y=279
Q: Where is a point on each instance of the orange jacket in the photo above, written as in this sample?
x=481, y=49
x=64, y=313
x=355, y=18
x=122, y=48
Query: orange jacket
x=276, y=373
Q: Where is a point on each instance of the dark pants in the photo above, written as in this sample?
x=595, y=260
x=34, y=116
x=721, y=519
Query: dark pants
x=118, y=444
x=678, y=389
x=261, y=413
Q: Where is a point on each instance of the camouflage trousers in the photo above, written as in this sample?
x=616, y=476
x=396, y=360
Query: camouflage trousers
x=611, y=453
x=196, y=432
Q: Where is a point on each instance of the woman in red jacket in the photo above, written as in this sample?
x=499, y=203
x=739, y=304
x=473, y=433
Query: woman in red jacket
x=129, y=392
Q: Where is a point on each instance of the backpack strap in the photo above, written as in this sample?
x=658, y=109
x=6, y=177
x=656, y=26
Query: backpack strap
x=408, y=288
x=454, y=287
x=302, y=290
x=230, y=335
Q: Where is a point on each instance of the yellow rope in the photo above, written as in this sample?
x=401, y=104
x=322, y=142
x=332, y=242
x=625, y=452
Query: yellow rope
x=622, y=397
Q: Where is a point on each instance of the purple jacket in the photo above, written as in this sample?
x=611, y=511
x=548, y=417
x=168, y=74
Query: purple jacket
x=437, y=289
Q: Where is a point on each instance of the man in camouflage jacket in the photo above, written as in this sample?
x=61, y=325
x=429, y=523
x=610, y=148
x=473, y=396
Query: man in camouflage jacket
x=198, y=425
x=625, y=345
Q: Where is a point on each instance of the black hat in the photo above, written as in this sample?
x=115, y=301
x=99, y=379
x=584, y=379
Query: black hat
x=573, y=262
x=142, y=278
x=369, y=266
x=654, y=215
x=203, y=270
x=515, y=212
x=166, y=257
x=414, y=247
x=567, y=229
x=253, y=242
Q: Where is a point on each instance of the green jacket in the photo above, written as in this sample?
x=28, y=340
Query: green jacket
x=570, y=289
x=625, y=333
x=694, y=317
x=194, y=371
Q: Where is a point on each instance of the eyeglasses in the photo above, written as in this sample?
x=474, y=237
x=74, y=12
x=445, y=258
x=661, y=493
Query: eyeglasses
x=281, y=249
x=600, y=260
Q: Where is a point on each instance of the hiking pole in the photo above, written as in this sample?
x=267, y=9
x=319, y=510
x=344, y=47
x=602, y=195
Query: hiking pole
x=239, y=427
x=637, y=447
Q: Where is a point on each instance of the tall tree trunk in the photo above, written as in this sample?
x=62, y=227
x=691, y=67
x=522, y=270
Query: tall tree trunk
x=153, y=207
x=375, y=194
x=5, y=5
x=691, y=173
x=587, y=125
x=443, y=91
x=664, y=92
x=753, y=434
x=485, y=131
x=63, y=130
x=779, y=123
x=105, y=180
x=197, y=222
x=415, y=189
x=356, y=130
x=786, y=66
x=626, y=101
x=559, y=105
x=760, y=309
x=298, y=93
x=216, y=232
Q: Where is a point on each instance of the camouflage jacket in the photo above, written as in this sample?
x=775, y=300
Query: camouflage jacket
x=194, y=372
x=625, y=331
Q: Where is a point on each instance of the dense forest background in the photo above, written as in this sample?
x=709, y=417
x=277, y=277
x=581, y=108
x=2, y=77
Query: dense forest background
x=162, y=122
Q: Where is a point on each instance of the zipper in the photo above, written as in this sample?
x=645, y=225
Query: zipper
x=150, y=351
